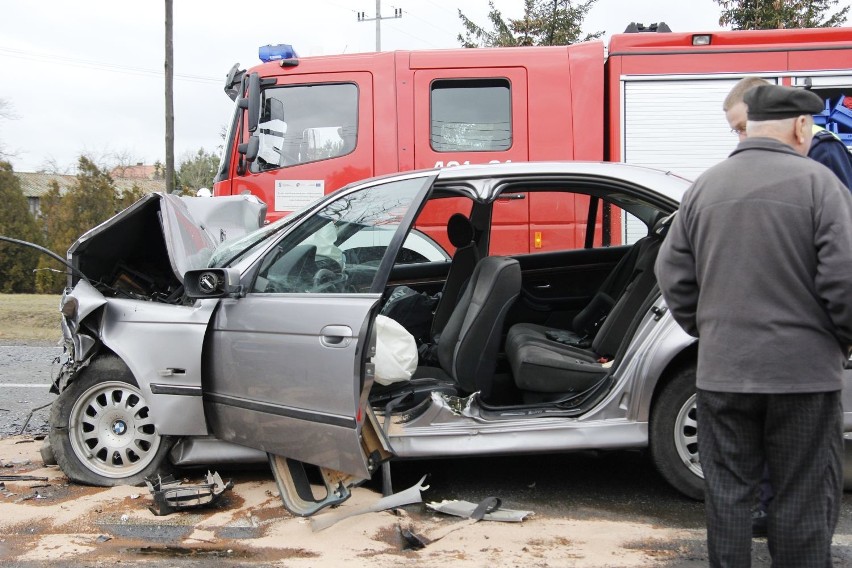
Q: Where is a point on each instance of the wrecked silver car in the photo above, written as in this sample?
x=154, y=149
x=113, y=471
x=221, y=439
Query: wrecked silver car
x=178, y=354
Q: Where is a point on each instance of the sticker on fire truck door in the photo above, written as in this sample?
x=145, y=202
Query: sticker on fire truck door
x=293, y=194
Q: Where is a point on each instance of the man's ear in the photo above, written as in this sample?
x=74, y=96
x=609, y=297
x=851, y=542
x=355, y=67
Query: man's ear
x=802, y=130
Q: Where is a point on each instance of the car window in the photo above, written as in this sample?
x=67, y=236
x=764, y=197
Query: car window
x=549, y=221
x=368, y=247
x=339, y=248
x=433, y=218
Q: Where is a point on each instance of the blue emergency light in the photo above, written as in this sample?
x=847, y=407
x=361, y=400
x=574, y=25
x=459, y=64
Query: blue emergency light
x=269, y=53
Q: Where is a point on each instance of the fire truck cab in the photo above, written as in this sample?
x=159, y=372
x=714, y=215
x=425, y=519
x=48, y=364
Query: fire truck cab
x=303, y=127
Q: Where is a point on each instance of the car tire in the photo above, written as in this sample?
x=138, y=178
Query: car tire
x=673, y=435
x=101, y=429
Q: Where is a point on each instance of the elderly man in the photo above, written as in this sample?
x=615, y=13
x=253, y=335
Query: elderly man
x=758, y=265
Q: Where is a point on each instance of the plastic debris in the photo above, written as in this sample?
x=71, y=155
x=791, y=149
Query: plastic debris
x=170, y=496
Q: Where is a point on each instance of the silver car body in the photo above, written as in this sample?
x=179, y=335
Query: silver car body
x=286, y=374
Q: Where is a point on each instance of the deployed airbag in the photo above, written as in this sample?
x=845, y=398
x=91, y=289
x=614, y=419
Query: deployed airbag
x=396, y=352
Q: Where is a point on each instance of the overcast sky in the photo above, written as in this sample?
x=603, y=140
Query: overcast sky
x=87, y=76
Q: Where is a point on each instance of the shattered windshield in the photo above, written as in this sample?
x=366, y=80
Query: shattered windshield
x=233, y=251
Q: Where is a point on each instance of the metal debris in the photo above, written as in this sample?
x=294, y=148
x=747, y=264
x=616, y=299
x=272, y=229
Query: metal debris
x=170, y=496
x=22, y=477
x=30, y=415
x=103, y=538
x=413, y=541
x=488, y=510
x=407, y=497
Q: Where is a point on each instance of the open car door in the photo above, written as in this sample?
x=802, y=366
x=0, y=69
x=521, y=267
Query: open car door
x=288, y=364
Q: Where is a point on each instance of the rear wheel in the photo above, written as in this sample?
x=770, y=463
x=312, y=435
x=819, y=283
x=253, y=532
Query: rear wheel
x=674, y=435
x=101, y=429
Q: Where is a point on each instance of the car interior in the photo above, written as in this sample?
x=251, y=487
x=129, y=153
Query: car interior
x=543, y=325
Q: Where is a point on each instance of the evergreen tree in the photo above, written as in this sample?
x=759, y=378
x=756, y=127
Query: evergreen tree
x=89, y=202
x=773, y=14
x=545, y=22
x=196, y=172
x=16, y=262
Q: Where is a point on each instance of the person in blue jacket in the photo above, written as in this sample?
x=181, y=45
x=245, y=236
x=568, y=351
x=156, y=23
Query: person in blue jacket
x=830, y=151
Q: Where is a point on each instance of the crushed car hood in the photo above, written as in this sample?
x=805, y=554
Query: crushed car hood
x=144, y=250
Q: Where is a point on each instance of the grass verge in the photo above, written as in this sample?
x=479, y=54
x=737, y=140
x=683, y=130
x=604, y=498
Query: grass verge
x=27, y=317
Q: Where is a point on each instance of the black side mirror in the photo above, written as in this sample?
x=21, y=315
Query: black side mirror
x=250, y=149
x=253, y=95
x=212, y=283
x=233, y=81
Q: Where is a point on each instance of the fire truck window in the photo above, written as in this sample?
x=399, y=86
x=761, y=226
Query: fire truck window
x=471, y=115
x=306, y=123
x=551, y=221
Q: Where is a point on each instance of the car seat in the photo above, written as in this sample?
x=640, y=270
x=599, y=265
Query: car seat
x=460, y=232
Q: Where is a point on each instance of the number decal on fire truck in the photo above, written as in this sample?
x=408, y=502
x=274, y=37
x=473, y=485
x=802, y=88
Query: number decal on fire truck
x=451, y=163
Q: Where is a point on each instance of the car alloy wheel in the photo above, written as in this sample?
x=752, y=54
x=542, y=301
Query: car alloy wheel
x=111, y=430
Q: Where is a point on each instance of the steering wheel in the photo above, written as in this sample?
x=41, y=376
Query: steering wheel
x=325, y=280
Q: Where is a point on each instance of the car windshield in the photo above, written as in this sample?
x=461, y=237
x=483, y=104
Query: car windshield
x=231, y=252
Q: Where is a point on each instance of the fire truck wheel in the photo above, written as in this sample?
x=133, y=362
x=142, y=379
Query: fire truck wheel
x=674, y=435
x=101, y=429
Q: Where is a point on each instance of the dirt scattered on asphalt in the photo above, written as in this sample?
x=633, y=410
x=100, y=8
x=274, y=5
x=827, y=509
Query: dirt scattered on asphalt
x=75, y=525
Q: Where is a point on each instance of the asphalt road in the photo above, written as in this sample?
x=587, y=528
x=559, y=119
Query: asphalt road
x=588, y=486
x=25, y=377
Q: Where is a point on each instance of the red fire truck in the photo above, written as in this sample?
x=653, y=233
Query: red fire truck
x=306, y=126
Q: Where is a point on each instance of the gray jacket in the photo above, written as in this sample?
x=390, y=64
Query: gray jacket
x=758, y=264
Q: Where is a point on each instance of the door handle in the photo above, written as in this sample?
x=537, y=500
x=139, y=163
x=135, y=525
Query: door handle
x=542, y=286
x=336, y=336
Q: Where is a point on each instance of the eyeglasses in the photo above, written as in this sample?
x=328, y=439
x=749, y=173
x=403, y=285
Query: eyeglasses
x=738, y=131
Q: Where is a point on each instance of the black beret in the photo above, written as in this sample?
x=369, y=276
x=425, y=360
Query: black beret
x=774, y=102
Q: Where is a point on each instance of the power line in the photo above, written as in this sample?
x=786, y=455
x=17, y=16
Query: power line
x=101, y=66
x=426, y=41
x=427, y=22
x=442, y=7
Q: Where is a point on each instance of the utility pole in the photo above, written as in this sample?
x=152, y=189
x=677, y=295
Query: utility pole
x=170, y=103
x=362, y=17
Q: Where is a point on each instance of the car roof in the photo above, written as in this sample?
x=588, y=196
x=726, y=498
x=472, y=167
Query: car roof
x=663, y=182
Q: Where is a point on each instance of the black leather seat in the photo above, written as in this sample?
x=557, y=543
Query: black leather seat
x=467, y=350
x=542, y=365
x=460, y=233
x=586, y=323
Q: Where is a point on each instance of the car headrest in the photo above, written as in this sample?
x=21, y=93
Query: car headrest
x=459, y=230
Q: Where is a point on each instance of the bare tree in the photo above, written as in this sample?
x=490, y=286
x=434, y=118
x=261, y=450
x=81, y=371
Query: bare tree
x=119, y=161
x=50, y=166
x=7, y=112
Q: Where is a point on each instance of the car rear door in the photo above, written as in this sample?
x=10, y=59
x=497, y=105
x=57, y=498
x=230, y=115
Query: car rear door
x=288, y=366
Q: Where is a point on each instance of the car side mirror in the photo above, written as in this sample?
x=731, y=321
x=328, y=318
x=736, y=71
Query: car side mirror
x=212, y=283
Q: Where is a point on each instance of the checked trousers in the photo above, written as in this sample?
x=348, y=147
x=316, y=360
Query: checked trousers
x=800, y=438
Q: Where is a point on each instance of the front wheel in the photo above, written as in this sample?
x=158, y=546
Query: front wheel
x=101, y=429
x=674, y=435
